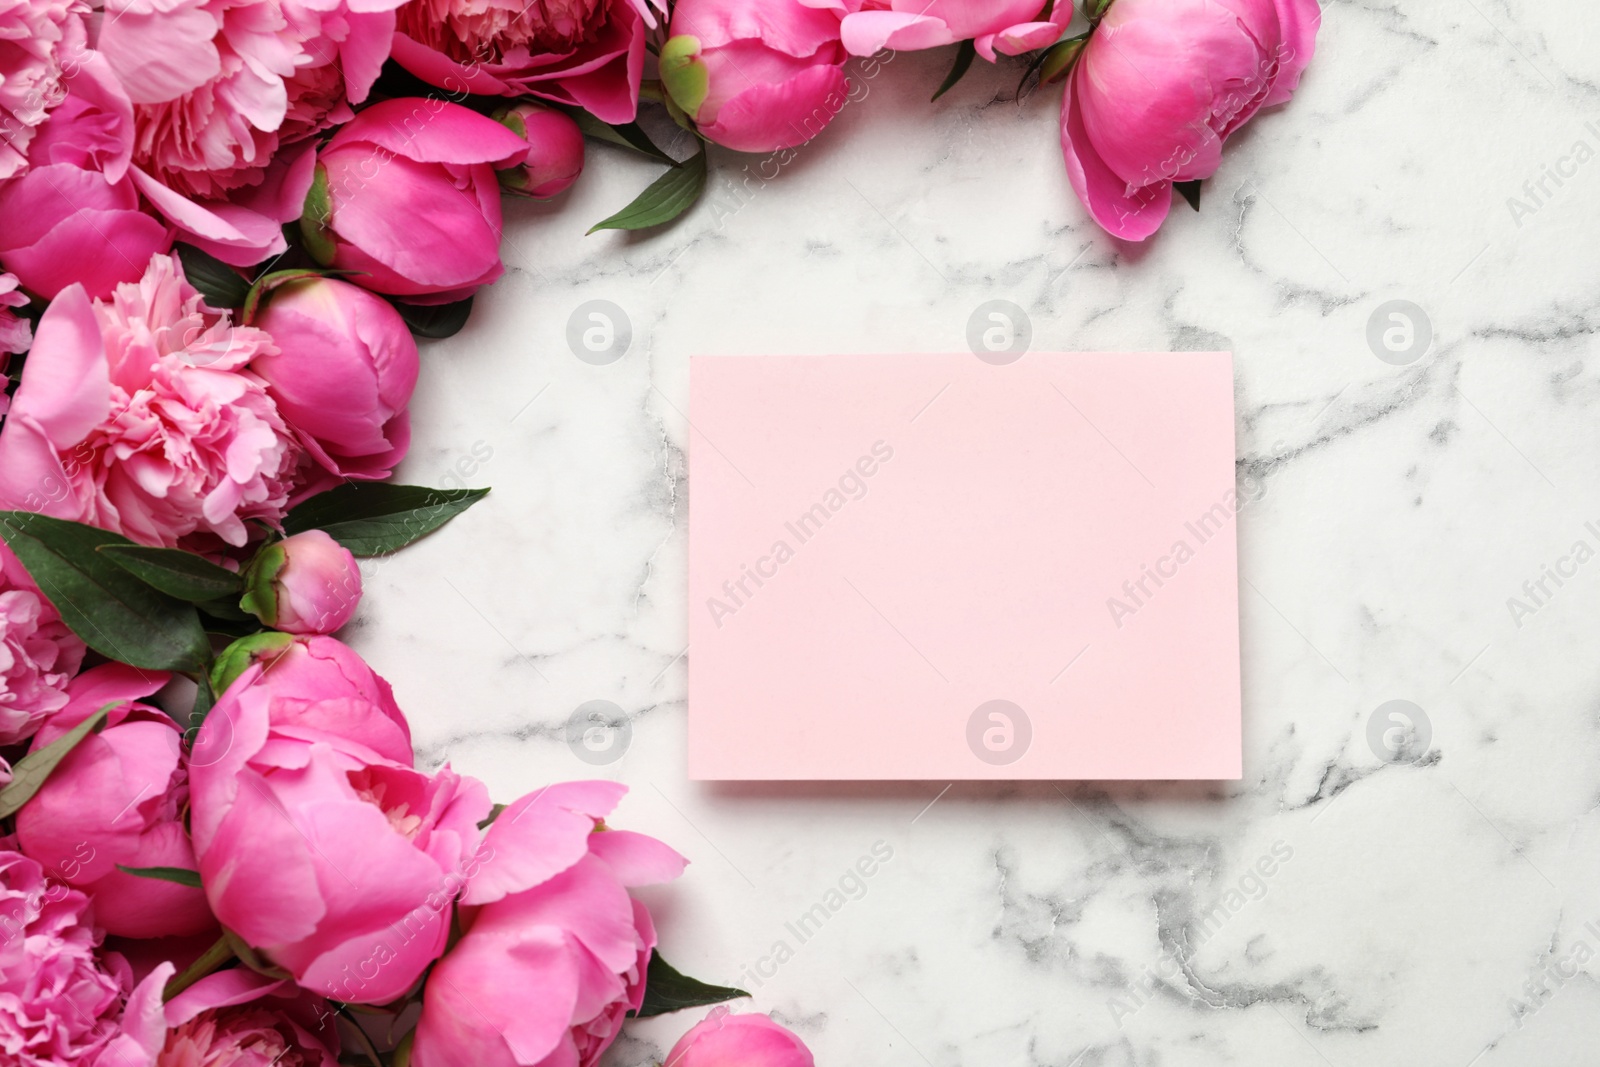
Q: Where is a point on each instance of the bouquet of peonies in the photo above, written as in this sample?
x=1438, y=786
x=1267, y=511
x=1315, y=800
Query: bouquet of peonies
x=223, y=225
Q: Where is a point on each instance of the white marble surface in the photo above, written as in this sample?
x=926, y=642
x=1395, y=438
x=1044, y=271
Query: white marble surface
x=1059, y=925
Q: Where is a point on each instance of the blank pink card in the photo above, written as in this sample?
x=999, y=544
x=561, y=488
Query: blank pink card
x=935, y=567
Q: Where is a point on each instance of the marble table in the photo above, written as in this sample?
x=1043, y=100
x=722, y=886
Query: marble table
x=1367, y=893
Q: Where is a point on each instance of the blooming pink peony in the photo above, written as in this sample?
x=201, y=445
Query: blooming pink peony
x=74, y=215
x=305, y=584
x=722, y=1039
x=117, y=799
x=342, y=372
x=772, y=76
x=233, y=1018
x=1159, y=87
x=548, y=910
x=222, y=91
x=584, y=52
x=136, y=415
x=406, y=195
x=38, y=654
x=336, y=861
x=1007, y=26
x=40, y=42
x=61, y=999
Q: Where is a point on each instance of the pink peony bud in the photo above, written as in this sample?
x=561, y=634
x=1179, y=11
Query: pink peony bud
x=555, y=151
x=754, y=1040
x=406, y=194
x=305, y=584
x=755, y=79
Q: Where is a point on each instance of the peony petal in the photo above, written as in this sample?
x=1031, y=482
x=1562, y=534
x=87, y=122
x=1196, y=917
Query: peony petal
x=1132, y=216
x=636, y=859
x=538, y=836
x=66, y=384
x=765, y=118
x=867, y=33
x=429, y=130
x=160, y=52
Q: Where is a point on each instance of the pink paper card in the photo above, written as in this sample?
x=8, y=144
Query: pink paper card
x=934, y=567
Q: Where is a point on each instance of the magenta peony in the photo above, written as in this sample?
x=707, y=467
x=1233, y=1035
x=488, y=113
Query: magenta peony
x=223, y=92
x=406, y=194
x=38, y=654
x=722, y=1039
x=763, y=78
x=233, y=1018
x=336, y=861
x=554, y=157
x=1005, y=26
x=74, y=216
x=136, y=415
x=305, y=584
x=117, y=799
x=61, y=999
x=584, y=52
x=342, y=372
x=40, y=43
x=548, y=910
x=1159, y=87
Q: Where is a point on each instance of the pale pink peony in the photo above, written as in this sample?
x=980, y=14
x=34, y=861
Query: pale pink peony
x=38, y=654
x=40, y=41
x=233, y=1018
x=15, y=333
x=137, y=415
x=584, y=52
x=61, y=999
x=225, y=91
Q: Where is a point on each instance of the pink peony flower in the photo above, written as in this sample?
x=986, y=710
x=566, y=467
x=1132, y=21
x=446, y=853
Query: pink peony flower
x=38, y=654
x=334, y=860
x=117, y=799
x=61, y=1000
x=1161, y=84
x=548, y=910
x=407, y=195
x=233, y=1018
x=554, y=157
x=222, y=91
x=40, y=42
x=305, y=584
x=722, y=1039
x=764, y=78
x=15, y=333
x=584, y=52
x=74, y=216
x=137, y=415
x=1006, y=26
x=342, y=373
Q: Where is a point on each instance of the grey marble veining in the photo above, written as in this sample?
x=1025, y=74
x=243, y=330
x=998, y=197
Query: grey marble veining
x=1332, y=907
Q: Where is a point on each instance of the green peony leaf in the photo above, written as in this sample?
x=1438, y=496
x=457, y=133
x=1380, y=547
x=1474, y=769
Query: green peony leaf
x=116, y=614
x=375, y=518
x=667, y=197
x=435, y=321
x=181, y=875
x=222, y=287
x=965, y=53
x=665, y=989
x=174, y=572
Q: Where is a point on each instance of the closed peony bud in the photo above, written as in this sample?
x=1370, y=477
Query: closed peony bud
x=305, y=584
x=555, y=151
x=751, y=1040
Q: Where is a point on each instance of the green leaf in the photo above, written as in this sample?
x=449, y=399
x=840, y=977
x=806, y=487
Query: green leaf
x=35, y=768
x=374, y=518
x=434, y=321
x=668, y=197
x=665, y=989
x=116, y=614
x=174, y=572
x=1058, y=60
x=627, y=135
x=222, y=287
x=181, y=875
x=965, y=53
x=219, y=953
x=1190, y=191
